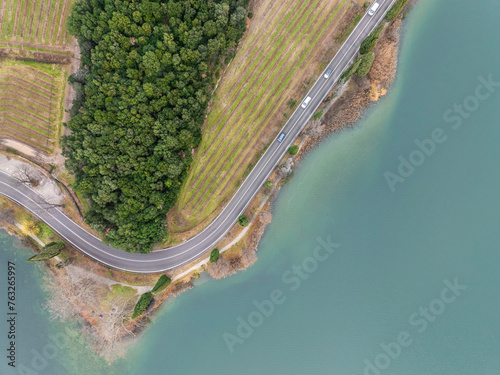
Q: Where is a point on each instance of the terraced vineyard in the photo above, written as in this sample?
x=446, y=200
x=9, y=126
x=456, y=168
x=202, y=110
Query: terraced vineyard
x=278, y=60
x=31, y=103
x=37, y=21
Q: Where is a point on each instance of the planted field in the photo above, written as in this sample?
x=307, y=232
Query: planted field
x=283, y=52
x=37, y=21
x=31, y=103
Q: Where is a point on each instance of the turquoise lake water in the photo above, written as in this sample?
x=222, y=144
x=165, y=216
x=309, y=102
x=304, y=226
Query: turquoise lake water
x=410, y=282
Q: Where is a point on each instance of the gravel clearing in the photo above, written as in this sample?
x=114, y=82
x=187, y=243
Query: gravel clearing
x=46, y=187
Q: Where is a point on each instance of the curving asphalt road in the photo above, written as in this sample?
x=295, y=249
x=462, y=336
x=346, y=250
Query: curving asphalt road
x=175, y=256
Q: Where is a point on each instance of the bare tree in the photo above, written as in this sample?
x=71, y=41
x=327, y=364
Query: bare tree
x=26, y=175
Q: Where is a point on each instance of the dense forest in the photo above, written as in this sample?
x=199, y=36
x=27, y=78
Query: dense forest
x=148, y=71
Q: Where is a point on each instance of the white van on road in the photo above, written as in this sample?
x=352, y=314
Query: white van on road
x=306, y=102
x=373, y=8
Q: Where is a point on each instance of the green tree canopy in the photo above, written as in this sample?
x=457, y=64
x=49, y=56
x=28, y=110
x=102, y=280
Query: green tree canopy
x=161, y=284
x=49, y=251
x=395, y=10
x=293, y=150
x=142, y=304
x=214, y=256
x=371, y=40
x=243, y=221
x=365, y=64
x=149, y=70
x=360, y=67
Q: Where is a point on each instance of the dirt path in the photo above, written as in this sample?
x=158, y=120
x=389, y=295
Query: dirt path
x=8, y=134
x=21, y=147
x=70, y=93
x=42, y=46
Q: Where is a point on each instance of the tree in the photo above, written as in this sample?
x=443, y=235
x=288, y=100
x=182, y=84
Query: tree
x=161, y=284
x=214, y=256
x=292, y=103
x=268, y=184
x=30, y=228
x=395, y=10
x=49, y=251
x=371, y=40
x=293, y=150
x=243, y=221
x=360, y=67
x=142, y=304
x=351, y=70
x=365, y=64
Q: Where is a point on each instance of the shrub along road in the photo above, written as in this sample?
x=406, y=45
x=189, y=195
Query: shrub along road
x=175, y=256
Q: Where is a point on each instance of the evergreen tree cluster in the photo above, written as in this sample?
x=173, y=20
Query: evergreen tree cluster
x=49, y=251
x=395, y=10
x=371, y=40
x=148, y=70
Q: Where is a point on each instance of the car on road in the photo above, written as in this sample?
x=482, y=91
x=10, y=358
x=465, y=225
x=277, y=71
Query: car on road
x=328, y=73
x=306, y=102
x=281, y=137
x=373, y=8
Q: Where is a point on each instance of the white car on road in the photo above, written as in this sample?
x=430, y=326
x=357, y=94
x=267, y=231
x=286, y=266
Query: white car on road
x=373, y=8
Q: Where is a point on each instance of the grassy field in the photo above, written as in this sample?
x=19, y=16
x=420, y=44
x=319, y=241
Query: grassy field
x=38, y=21
x=30, y=103
x=283, y=52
